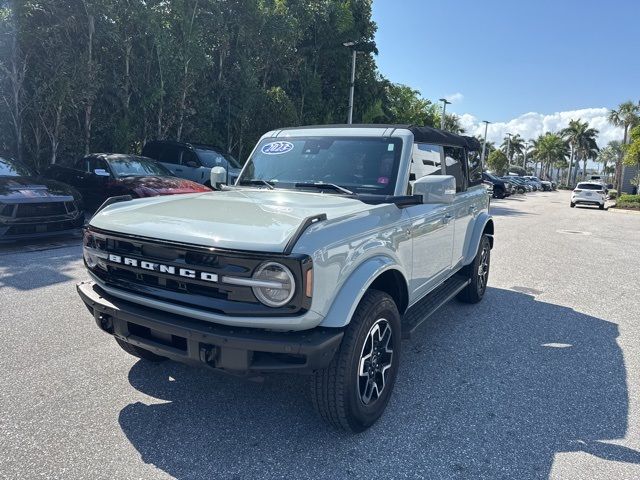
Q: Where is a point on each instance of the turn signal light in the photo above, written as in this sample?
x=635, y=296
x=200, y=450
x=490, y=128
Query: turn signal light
x=308, y=291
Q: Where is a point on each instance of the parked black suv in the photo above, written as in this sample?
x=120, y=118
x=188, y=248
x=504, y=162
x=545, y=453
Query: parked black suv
x=501, y=189
x=191, y=160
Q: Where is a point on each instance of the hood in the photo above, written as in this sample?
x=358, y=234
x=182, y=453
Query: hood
x=157, y=185
x=31, y=189
x=247, y=219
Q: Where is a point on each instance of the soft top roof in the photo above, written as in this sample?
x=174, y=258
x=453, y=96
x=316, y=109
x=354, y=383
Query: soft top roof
x=420, y=134
x=441, y=137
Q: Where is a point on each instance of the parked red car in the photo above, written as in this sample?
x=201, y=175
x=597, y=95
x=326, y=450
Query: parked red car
x=99, y=176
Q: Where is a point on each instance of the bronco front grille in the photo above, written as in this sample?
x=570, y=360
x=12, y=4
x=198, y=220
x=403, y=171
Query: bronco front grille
x=214, y=296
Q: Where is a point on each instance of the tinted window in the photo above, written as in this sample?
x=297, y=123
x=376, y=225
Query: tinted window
x=589, y=186
x=169, y=154
x=137, y=167
x=152, y=150
x=426, y=160
x=475, y=168
x=360, y=164
x=98, y=163
x=211, y=158
x=189, y=156
x=455, y=165
x=13, y=168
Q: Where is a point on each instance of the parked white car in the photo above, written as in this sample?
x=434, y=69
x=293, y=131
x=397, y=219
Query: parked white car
x=589, y=193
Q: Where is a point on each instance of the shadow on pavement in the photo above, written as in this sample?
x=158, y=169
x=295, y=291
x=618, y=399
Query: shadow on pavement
x=492, y=390
x=34, y=274
x=504, y=212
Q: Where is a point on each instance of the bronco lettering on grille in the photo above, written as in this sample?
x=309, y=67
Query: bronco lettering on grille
x=161, y=268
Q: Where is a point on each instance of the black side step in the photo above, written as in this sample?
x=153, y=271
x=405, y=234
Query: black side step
x=422, y=310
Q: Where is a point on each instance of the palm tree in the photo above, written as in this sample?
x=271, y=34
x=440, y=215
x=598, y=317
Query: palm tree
x=626, y=116
x=582, y=140
x=550, y=150
x=609, y=154
x=513, y=147
x=452, y=124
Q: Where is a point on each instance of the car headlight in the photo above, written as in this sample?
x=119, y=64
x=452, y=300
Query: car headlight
x=273, y=284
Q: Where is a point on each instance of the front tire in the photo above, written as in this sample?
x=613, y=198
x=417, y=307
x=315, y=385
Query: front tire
x=353, y=391
x=572, y=205
x=478, y=273
x=601, y=207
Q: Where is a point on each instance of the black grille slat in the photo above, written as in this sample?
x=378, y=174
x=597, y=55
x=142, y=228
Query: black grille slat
x=29, y=210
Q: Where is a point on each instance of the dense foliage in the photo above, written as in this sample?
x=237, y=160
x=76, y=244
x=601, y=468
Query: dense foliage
x=497, y=162
x=108, y=75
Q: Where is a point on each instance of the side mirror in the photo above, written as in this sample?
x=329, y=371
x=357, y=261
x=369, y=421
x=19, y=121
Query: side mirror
x=436, y=189
x=218, y=177
x=101, y=172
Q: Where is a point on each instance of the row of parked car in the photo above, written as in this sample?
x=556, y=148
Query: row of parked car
x=511, y=184
x=54, y=202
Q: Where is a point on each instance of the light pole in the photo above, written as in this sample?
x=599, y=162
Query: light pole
x=509, y=148
x=484, y=143
x=524, y=161
x=445, y=102
x=354, y=52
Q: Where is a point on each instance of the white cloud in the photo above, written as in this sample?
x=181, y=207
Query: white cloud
x=532, y=124
x=455, y=97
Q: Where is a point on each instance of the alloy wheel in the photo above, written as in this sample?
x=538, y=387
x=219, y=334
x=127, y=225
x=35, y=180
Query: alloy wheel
x=376, y=358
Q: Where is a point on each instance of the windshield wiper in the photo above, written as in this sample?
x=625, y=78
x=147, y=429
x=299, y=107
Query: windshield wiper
x=257, y=181
x=324, y=186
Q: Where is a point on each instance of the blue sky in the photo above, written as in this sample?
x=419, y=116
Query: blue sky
x=501, y=60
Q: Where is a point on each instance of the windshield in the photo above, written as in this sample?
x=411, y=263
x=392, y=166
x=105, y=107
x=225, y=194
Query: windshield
x=13, y=168
x=137, y=167
x=366, y=165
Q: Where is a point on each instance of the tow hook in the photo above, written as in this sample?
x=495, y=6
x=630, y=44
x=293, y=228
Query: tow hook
x=208, y=354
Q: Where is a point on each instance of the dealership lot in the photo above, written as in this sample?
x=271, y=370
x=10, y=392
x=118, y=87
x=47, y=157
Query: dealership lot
x=541, y=379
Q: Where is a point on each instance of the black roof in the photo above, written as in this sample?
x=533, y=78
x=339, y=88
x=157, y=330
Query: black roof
x=441, y=137
x=420, y=134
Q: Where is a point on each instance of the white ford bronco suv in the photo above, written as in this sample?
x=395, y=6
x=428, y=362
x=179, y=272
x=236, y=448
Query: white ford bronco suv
x=334, y=244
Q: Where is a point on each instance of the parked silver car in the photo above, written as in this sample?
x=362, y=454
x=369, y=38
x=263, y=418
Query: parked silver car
x=334, y=244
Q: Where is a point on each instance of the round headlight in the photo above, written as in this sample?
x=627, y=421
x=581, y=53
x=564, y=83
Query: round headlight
x=275, y=284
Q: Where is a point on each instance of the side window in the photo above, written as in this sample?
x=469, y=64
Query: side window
x=426, y=160
x=169, y=154
x=82, y=164
x=455, y=164
x=98, y=163
x=151, y=150
x=189, y=159
x=475, y=168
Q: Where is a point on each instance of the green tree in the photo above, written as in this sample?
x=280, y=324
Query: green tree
x=550, y=150
x=404, y=105
x=632, y=154
x=627, y=116
x=582, y=140
x=497, y=162
x=513, y=147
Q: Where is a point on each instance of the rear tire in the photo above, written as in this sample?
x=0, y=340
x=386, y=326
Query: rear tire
x=139, y=352
x=478, y=273
x=353, y=391
x=601, y=207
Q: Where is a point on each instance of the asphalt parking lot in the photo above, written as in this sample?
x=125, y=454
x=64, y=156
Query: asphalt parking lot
x=540, y=380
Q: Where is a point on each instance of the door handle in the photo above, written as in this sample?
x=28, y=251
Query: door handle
x=447, y=218
x=178, y=169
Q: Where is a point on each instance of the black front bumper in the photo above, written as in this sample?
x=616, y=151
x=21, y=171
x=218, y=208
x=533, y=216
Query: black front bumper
x=39, y=228
x=236, y=350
